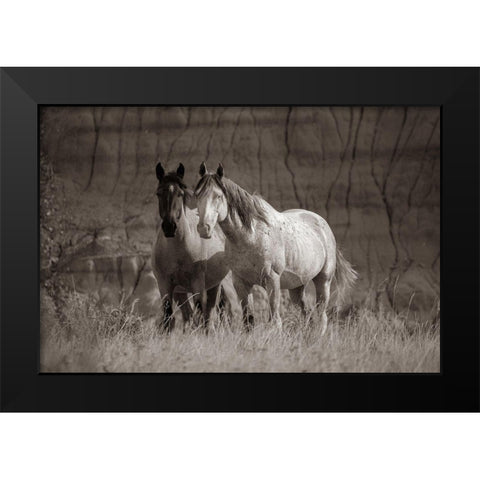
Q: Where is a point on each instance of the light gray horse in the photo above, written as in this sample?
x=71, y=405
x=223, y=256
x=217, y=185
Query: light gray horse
x=270, y=248
x=183, y=262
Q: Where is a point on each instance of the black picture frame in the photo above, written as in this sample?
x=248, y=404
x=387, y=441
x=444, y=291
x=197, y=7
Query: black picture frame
x=456, y=388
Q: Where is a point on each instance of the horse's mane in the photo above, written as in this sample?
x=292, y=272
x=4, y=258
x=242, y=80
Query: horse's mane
x=247, y=206
x=172, y=177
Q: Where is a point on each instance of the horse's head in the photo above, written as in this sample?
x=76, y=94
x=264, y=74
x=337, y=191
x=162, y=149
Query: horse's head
x=171, y=194
x=211, y=200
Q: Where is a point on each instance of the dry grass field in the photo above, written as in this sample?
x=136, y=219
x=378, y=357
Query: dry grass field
x=107, y=339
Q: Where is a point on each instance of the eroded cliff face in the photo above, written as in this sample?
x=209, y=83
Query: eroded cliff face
x=372, y=172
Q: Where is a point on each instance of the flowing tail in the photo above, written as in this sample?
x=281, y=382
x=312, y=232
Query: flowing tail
x=345, y=277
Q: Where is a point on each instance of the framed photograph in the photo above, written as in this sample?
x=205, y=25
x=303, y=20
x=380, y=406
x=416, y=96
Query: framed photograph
x=239, y=239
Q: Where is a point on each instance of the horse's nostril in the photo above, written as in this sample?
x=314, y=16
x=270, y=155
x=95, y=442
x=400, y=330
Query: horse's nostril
x=169, y=228
x=203, y=230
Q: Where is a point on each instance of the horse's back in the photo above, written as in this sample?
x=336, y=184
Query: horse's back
x=308, y=223
x=309, y=244
x=311, y=218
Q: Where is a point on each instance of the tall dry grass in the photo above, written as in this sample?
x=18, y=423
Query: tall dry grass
x=90, y=338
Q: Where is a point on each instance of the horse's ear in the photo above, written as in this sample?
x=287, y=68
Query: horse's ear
x=181, y=170
x=220, y=170
x=160, y=171
x=203, y=169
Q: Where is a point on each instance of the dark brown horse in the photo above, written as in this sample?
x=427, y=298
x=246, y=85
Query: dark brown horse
x=184, y=264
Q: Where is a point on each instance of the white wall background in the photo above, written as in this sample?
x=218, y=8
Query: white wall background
x=280, y=33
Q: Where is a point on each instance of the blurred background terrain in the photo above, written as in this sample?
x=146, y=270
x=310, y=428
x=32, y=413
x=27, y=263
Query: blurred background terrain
x=372, y=172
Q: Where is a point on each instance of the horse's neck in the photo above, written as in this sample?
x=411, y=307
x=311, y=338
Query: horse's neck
x=235, y=232
x=238, y=235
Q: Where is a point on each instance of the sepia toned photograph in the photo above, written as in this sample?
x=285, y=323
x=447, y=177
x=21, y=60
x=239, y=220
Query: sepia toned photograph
x=239, y=239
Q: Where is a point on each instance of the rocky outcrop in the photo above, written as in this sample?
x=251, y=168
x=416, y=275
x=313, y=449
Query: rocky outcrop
x=372, y=172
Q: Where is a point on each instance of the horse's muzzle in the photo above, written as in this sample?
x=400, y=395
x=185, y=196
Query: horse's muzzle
x=169, y=229
x=205, y=230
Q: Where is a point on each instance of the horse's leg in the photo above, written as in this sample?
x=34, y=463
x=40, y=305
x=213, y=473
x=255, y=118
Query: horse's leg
x=200, y=305
x=198, y=286
x=222, y=305
x=243, y=289
x=229, y=306
x=225, y=306
x=322, y=287
x=168, y=317
x=184, y=304
x=272, y=284
x=211, y=300
x=167, y=322
x=297, y=296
